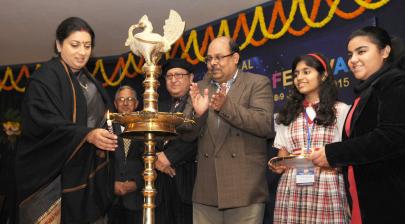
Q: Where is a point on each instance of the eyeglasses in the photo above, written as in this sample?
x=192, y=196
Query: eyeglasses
x=175, y=75
x=128, y=99
x=210, y=59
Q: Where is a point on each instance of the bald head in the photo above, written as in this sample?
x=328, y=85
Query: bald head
x=222, y=59
x=224, y=41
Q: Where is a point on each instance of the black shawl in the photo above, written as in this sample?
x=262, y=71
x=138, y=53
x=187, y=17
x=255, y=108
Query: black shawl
x=53, y=143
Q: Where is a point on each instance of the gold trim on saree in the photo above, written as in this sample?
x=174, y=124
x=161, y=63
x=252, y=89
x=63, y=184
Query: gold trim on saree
x=82, y=186
x=52, y=215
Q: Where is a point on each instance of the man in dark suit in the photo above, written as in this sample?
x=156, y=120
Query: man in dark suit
x=128, y=167
x=233, y=112
x=176, y=159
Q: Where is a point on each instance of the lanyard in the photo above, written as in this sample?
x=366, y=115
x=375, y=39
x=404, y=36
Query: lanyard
x=309, y=131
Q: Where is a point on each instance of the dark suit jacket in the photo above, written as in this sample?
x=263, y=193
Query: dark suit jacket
x=232, y=158
x=181, y=155
x=376, y=148
x=130, y=168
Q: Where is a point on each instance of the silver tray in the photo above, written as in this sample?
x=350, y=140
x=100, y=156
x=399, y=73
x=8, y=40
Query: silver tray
x=292, y=161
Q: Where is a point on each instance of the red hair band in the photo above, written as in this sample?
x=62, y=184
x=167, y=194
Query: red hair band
x=317, y=57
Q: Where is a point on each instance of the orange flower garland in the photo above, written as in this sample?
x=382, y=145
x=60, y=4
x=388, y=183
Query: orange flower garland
x=121, y=67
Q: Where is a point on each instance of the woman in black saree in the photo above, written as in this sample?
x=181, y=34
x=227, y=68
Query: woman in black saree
x=63, y=170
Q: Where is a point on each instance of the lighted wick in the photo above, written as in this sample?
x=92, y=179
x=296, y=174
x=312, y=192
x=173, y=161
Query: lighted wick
x=109, y=123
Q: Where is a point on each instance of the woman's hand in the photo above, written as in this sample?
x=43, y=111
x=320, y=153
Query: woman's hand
x=102, y=139
x=318, y=158
x=277, y=169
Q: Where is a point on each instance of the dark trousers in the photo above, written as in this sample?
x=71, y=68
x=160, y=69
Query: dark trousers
x=121, y=215
x=171, y=209
x=8, y=207
x=272, y=180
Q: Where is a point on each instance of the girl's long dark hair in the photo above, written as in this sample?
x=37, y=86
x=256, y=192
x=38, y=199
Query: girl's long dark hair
x=325, y=111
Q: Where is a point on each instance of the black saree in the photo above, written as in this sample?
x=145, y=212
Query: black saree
x=54, y=114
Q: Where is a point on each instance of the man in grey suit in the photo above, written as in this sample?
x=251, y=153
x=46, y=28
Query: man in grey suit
x=233, y=112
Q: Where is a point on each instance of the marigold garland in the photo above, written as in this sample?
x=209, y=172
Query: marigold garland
x=348, y=15
x=121, y=68
x=373, y=6
x=322, y=23
x=120, y=65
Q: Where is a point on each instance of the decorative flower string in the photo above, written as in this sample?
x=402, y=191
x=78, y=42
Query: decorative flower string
x=366, y=4
x=11, y=126
x=122, y=66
